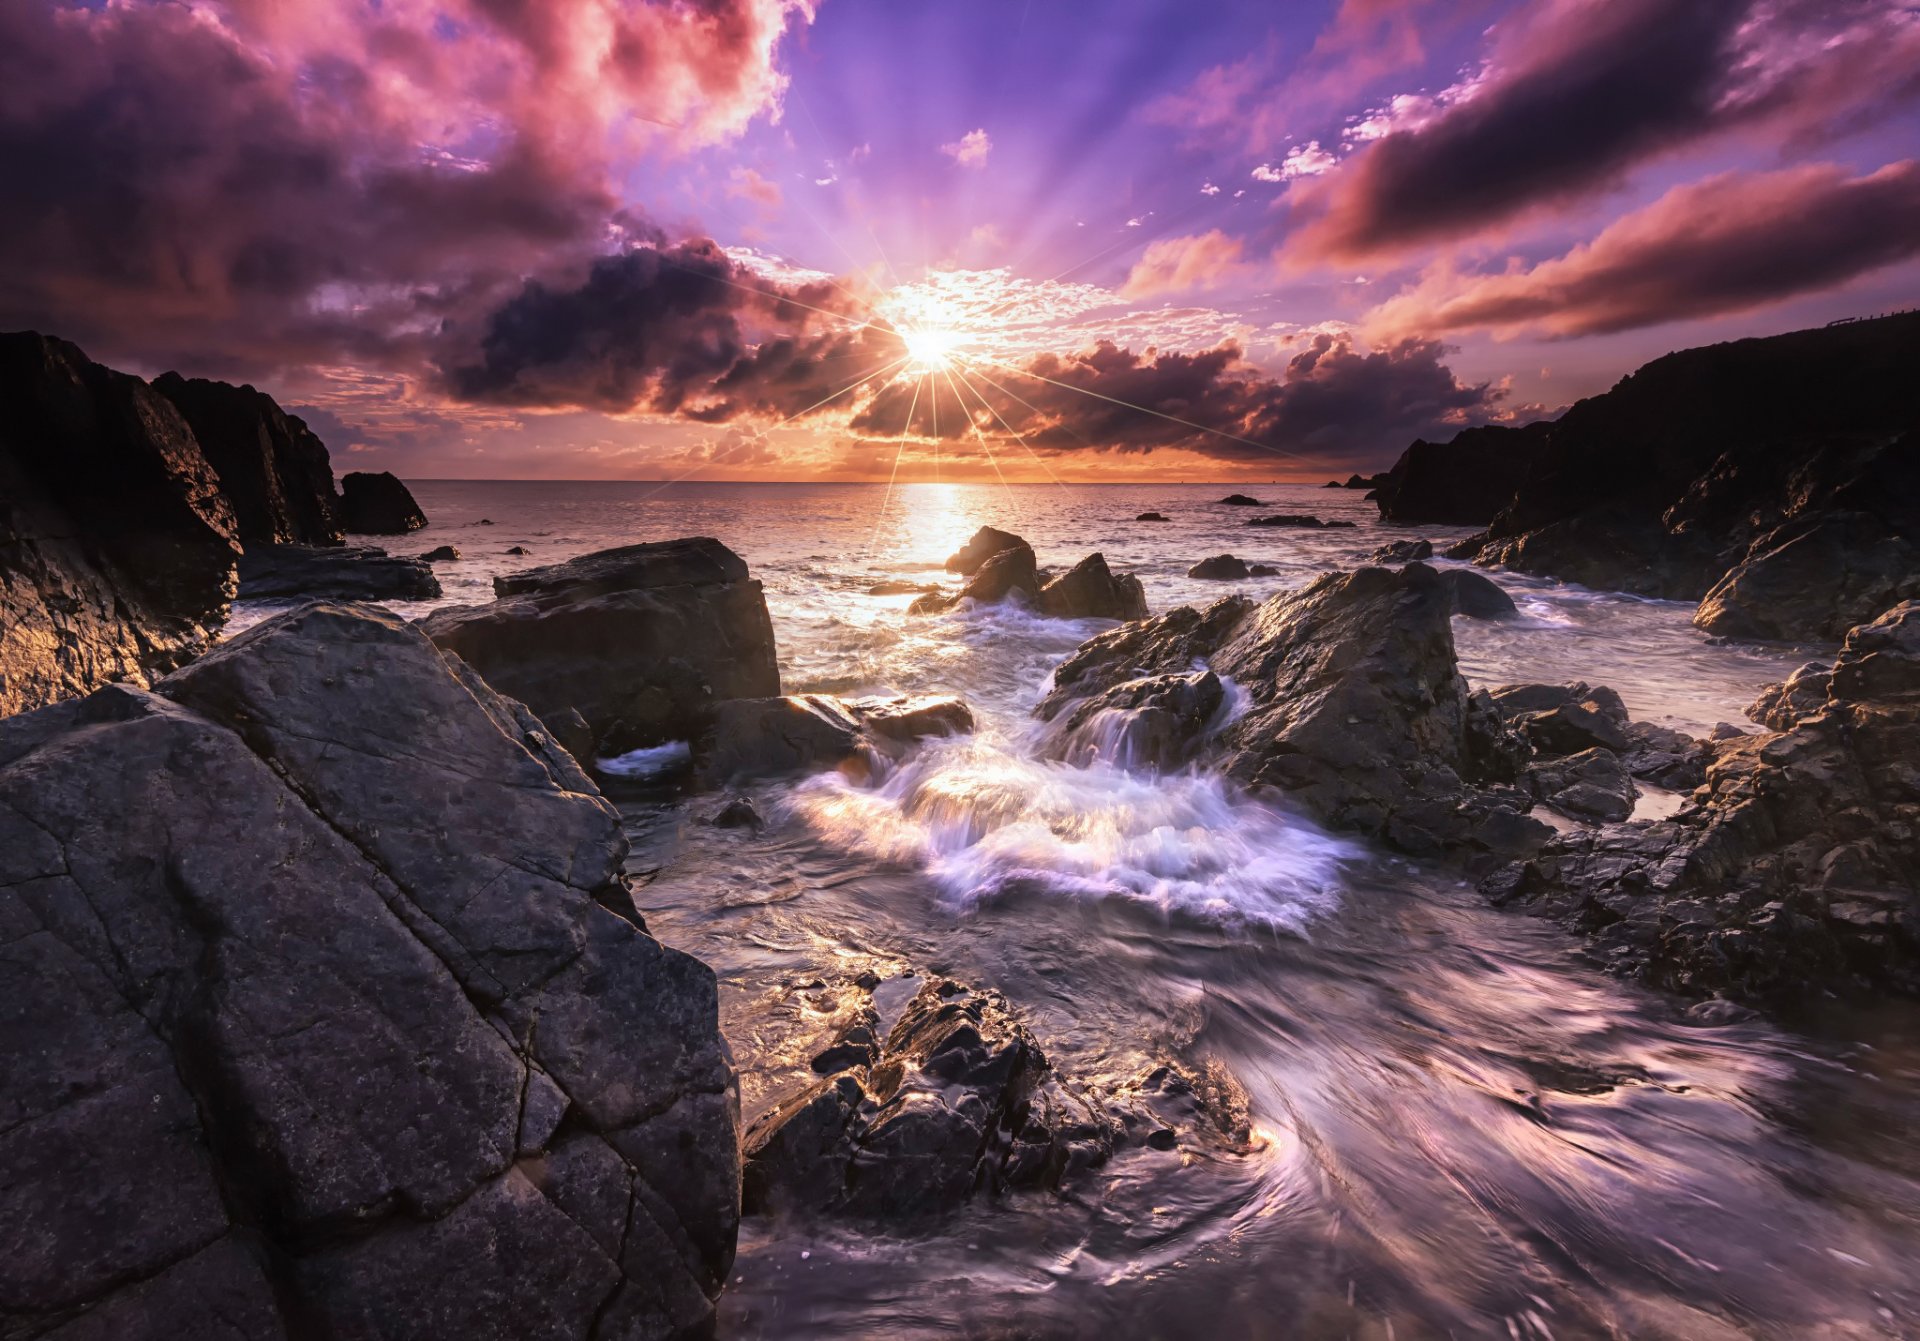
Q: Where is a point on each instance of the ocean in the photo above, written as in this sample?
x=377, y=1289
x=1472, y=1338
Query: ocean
x=1455, y=1126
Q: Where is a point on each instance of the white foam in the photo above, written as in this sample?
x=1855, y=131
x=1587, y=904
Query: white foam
x=652, y=762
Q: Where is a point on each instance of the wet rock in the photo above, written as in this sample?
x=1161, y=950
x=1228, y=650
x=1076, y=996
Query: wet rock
x=1782, y=704
x=377, y=503
x=1566, y=719
x=273, y=469
x=1241, y=501
x=1169, y=644
x=1158, y=722
x=315, y=1011
x=1090, y=590
x=1404, y=551
x=1792, y=871
x=1220, y=568
x=1591, y=785
x=737, y=813
x=1150, y=516
x=1262, y=570
x=807, y=733
x=644, y=641
x=117, y=547
x=1300, y=521
x=1665, y=757
x=914, y=717
x=442, y=554
x=957, y=1101
x=1360, y=713
x=352, y=572
x=987, y=542
x=516, y=549
x=1478, y=597
x=893, y=588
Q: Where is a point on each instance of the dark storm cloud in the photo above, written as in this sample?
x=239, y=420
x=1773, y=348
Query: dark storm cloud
x=1573, y=100
x=244, y=186
x=1726, y=244
x=675, y=330
x=1333, y=402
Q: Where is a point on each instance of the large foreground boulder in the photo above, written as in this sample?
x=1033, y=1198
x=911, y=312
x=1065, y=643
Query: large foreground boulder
x=272, y=468
x=1792, y=872
x=324, y=1012
x=643, y=642
x=378, y=504
x=117, y=547
x=349, y=572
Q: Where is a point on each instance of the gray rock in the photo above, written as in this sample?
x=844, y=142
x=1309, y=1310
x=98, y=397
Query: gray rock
x=1779, y=706
x=1156, y=722
x=306, y=961
x=1591, y=785
x=1814, y=577
x=804, y=733
x=643, y=642
x=351, y=573
x=1477, y=596
x=1090, y=590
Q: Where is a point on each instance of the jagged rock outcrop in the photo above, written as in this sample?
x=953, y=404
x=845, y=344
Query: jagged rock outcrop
x=272, y=468
x=1153, y=722
x=350, y=572
x=1356, y=707
x=1003, y=567
x=377, y=503
x=956, y=1100
x=117, y=547
x=1776, y=481
x=1791, y=873
x=643, y=642
x=1404, y=551
x=803, y=733
x=324, y=1012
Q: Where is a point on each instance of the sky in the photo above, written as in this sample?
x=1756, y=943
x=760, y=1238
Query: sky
x=943, y=239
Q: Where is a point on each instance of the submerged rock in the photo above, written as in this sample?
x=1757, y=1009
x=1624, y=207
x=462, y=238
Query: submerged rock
x=1300, y=521
x=321, y=1020
x=1220, y=568
x=273, y=469
x=379, y=504
x=956, y=1101
x=117, y=547
x=1241, y=501
x=441, y=554
x=1150, y=516
x=644, y=642
x=355, y=573
x=1791, y=872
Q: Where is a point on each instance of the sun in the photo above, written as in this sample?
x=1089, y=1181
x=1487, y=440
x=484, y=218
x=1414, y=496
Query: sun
x=930, y=348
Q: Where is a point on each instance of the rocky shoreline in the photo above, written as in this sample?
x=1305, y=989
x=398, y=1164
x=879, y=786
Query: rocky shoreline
x=329, y=1010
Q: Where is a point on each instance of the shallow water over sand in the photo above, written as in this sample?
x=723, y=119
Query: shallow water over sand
x=1433, y=1118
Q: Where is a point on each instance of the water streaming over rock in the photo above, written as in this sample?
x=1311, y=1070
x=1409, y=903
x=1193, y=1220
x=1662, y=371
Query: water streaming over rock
x=1418, y=1116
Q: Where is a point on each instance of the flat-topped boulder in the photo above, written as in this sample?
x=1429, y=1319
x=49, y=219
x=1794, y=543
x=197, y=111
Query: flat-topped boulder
x=1219, y=568
x=1300, y=521
x=643, y=642
x=377, y=503
x=117, y=546
x=807, y=733
x=273, y=469
x=328, y=1010
x=1241, y=501
x=348, y=572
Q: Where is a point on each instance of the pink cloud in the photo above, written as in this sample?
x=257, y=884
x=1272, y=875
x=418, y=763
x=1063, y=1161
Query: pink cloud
x=1730, y=243
x=1180, y=264
x=970, y=150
